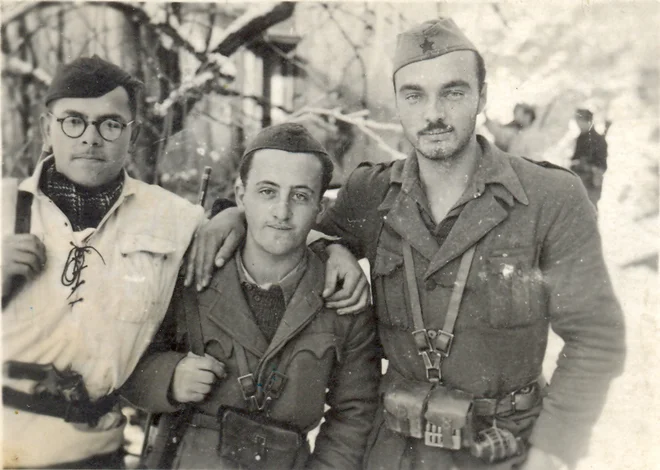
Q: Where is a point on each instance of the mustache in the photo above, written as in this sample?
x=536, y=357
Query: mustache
x=436, y=126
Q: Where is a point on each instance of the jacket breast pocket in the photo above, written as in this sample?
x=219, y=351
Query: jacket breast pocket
x=390, y=288
x=515, y=288
x=143, y=274
x=310, y=371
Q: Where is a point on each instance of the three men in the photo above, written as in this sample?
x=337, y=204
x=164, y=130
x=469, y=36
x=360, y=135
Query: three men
x=100, y=262
x=474, y=254
x=589, y=160
x=272, y=348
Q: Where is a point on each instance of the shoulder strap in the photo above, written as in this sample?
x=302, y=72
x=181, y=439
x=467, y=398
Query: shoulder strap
x=434, y=345
x=192, y=319
x=23, y=212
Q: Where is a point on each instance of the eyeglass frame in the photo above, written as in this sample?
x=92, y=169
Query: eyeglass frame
x=96, y=124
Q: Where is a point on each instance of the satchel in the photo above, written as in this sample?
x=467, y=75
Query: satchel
x=256, y=442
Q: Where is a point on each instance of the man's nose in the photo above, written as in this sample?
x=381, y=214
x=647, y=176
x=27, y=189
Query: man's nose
x=91, y=136
x=434, y=110
x=282, y=209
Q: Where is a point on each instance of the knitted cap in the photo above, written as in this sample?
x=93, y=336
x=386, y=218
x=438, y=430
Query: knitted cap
x=290, y=137
x=87, y=77
x=429, y=40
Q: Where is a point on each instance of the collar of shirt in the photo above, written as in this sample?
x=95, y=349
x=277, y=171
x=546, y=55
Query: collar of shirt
x=288, y=284
x=493, y=171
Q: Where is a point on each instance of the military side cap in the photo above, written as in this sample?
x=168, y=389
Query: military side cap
x=429, y=40
x=584, y=114
x=290, y=137
x=87, y=77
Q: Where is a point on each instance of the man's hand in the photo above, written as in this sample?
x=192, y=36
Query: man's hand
x=354, y=294
x=538, y=459
x=22, y=255
x=213, y=244
x=194, y=376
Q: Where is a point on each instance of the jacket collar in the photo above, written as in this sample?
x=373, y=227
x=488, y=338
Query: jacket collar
x=224, y=304
x=494, y=180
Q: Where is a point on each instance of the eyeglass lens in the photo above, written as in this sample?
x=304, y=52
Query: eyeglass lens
x=75, y=126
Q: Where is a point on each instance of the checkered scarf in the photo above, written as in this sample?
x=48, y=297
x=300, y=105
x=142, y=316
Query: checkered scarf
x=82, y=206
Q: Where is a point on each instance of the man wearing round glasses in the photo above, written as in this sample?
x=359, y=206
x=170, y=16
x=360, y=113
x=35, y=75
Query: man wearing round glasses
x=87, y=284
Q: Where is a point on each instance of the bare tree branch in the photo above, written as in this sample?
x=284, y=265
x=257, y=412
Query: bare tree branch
x=358, y=120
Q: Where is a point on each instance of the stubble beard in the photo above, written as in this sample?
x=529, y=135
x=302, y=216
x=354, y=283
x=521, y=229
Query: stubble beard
x=438, y=153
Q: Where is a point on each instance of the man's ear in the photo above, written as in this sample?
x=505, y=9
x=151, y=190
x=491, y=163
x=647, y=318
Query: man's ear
x=239, y=192
x=135, y=133
x=324, y=203
x=45, y=125
x=483, y=97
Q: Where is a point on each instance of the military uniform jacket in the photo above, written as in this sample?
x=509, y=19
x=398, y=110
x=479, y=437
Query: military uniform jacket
x=329, y=352
x=538, y=263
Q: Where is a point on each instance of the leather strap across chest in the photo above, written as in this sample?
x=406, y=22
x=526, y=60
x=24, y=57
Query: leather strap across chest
x=435, y=345
x=258, y=396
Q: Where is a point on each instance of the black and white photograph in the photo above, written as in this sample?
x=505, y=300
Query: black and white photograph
x=343, y=235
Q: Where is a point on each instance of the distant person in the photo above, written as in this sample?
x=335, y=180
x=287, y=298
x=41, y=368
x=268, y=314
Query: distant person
x=522, y=143
x=589, y=160
x=504, y=134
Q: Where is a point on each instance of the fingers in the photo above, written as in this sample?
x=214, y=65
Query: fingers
x=201, y=258
x=194, y=377
x=346, y=298
x=228, y=248
x=211, y=364
x=348, y=292
x=331, y=279
x=363, y=302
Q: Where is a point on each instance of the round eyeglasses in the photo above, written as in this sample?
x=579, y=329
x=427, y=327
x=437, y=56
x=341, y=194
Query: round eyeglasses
x=109, y=129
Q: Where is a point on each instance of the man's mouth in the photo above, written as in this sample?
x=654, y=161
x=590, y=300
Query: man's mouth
x=89, y=156
x=281, y=227
x=444, y=130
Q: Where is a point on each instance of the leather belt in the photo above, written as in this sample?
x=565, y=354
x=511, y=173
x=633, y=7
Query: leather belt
x=523, y=399
x=57, y=407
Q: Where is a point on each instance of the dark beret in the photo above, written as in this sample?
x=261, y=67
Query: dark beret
x=290, y=137
x=87, y=77
x=429, y=40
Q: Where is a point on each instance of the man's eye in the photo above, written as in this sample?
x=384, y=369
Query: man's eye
x=413, y=98
x=300, y=197
x=455, y=94
x=267, y=192
x=112, y=124
x=74, y=121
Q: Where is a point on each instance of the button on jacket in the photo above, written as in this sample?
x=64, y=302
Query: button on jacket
x=538, y=263
x=333, y=362
x=101, y=328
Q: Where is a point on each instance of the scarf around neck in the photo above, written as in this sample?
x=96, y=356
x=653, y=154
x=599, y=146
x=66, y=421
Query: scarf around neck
x=84, y=207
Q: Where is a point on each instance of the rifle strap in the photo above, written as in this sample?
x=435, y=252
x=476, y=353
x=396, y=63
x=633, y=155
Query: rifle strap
x=193, y=324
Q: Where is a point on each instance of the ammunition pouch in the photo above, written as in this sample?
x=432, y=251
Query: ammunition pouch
x=256, y=442
x=448, y=419
x=442, y=417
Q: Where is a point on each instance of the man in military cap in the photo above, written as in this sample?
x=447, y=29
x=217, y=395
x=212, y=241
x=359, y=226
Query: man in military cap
x=589, y=160
x=88, y=277
x=474, y=254
x=263, y=317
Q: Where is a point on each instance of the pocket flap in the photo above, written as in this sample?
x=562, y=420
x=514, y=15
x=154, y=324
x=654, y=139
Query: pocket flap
x=318, y=344
x=386, y=261
x=134, y=242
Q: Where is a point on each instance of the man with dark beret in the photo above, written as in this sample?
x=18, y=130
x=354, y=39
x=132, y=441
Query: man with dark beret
x=474, y=255
x=86, y=284
x=263, y=316
x=589, y=160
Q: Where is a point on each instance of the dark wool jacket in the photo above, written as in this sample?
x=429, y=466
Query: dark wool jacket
x=333, y=362
x=538, y=264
